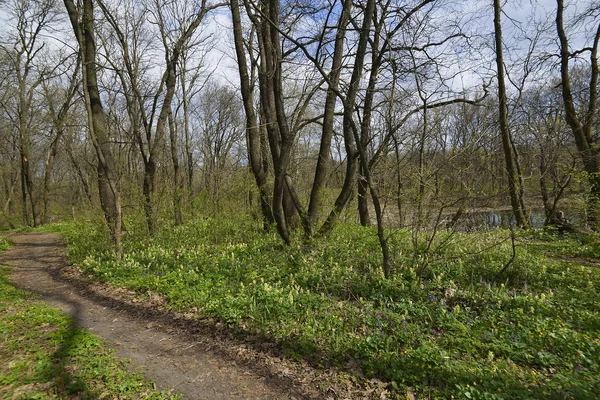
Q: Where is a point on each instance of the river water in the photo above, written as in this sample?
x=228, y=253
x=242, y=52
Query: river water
x=492, y=219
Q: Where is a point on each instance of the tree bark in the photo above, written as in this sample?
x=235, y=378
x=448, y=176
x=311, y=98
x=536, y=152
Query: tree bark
x=363, y=199
x=581, y=128
x=258, y=163
x=323, y=159
x=348, y=124
x=178, y=186
x=514, y=189
x=48, y=167
x=108, y=183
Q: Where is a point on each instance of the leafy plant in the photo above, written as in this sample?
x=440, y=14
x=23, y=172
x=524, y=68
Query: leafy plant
x=456, y=332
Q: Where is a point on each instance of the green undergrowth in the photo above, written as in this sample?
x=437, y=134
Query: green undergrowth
x=5, y=243
x=43, y=356
x=442, y=327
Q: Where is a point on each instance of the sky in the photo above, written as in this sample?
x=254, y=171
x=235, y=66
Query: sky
x=518, y=13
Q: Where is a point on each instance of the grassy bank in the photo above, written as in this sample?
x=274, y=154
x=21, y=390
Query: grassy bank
x=457, y=332
x=43, y=356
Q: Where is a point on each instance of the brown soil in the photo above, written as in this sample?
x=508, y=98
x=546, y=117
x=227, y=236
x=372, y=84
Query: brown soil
x=197, y=359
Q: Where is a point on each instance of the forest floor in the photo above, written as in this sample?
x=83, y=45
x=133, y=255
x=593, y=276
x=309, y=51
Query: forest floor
x=192, y=359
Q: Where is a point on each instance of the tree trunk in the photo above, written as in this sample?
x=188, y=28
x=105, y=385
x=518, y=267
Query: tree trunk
x=189, y=157
x=258, y=163
x=587, y=147
x=48, y=167
x=363, y=199
x=148, y=192
x=365, y=126
x=24, y=166
x=314, y=206
x=24, y=145
x=272, y=106
x=348, y=124
x=108, y=185
x=515, y=191
x=9, y=190
x=178, y=186
x=544, y=188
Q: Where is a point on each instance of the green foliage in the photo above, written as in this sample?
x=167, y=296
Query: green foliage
x=550, y=242
x=45, y=357
x=455, y=332
x=5, y=243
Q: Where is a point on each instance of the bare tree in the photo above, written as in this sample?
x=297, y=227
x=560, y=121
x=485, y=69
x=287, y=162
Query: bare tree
x=82, y=22
x=58, y=116
x=542, y=116
x=174, y=35
x=32, y=19
x=582, y=123
x=258, y=161
x=514, y=182
x=219, y=111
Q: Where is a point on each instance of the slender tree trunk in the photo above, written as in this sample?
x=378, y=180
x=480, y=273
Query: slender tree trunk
x=421, y=192
x=24, y=145
x=108, y=184
x=148, y=192
x=365, y=128
x=48, y=167
x=178, y=186
x=349, y=126
x=187, y=133
x=399, y=184
x=587, y=147
x=363, y=200
x=544, y=188
x=278, y=136
x=515, y=191
x=24, y=192
x=323, y=159
x=254, y=137
x=9, y=192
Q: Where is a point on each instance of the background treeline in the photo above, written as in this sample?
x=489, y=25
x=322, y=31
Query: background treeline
x=388, y=113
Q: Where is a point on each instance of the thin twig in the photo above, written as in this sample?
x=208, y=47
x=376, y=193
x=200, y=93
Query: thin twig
x=514, y=254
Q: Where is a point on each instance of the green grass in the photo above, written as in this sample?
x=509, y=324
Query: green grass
x=454, y=333
x=44, y=356
x=5, y=243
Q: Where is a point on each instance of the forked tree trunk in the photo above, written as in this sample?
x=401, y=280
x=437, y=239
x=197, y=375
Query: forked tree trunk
x=108, y=184
x=348, y=125
x=323, y=158
x=588, y=147
x=254, y=140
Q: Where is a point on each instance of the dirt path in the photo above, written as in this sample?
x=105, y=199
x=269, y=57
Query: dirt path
x=177, y=353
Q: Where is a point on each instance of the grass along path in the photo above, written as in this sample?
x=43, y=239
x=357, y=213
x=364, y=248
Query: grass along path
x=175, y=361
x=534, y=333
x=45, y=356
